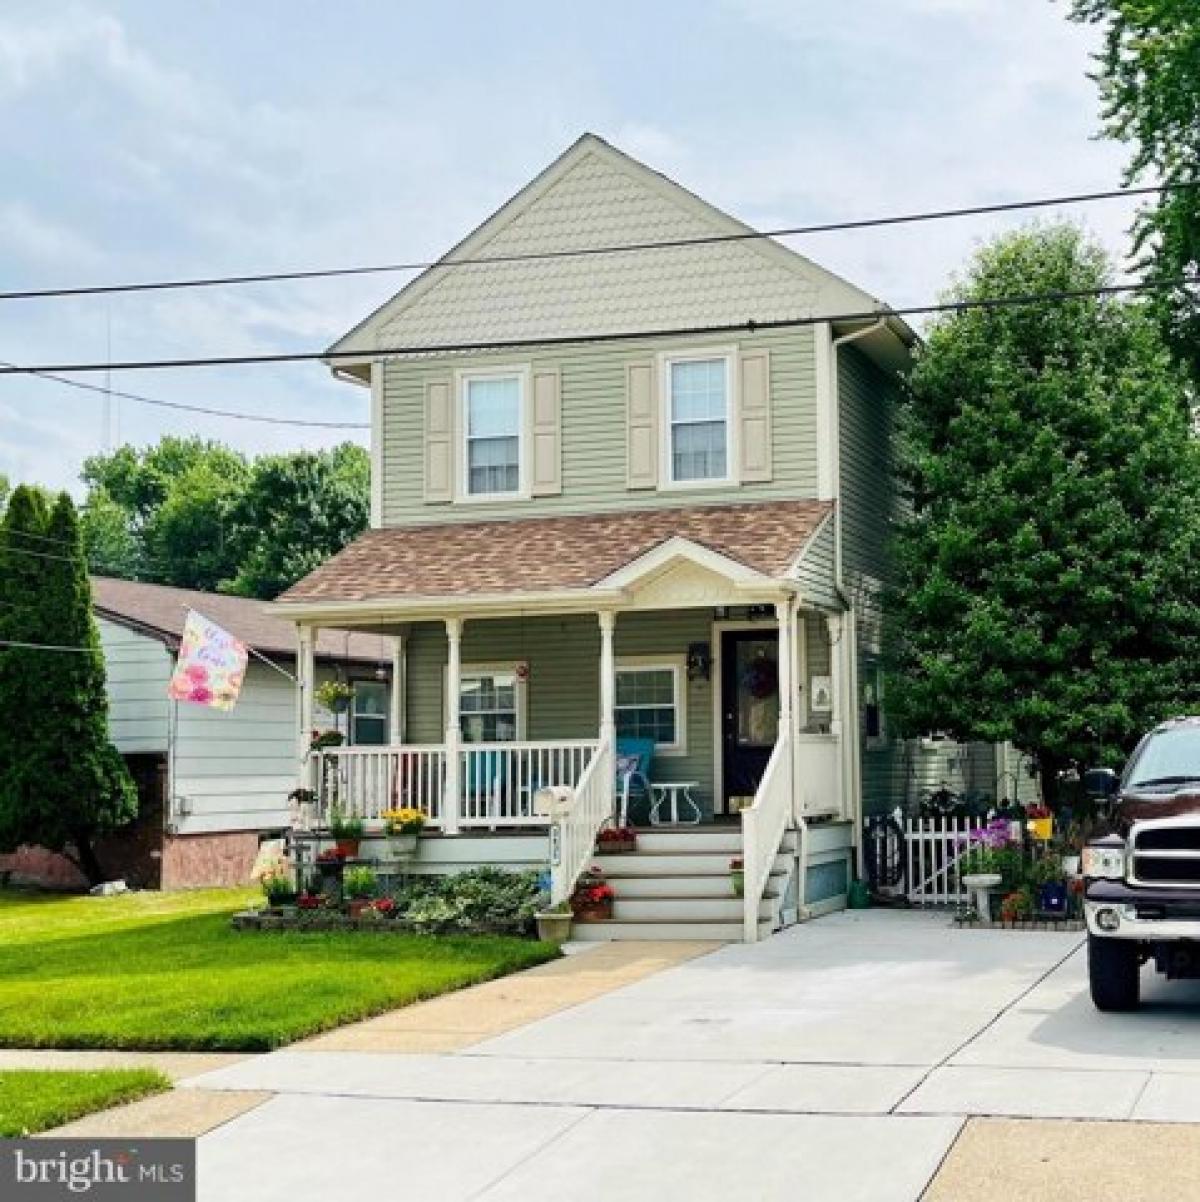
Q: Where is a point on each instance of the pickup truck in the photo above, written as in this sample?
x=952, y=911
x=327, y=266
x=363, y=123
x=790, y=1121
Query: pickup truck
x=1142, y=878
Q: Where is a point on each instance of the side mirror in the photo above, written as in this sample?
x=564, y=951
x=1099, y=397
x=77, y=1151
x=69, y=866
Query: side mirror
x=1101, y=782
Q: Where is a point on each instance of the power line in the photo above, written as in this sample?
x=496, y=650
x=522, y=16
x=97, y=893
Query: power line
x=443, y=264
x=750, y=326
x=14, y=644
x=232, y=414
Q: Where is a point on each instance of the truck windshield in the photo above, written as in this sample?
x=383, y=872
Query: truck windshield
x=1171, y=757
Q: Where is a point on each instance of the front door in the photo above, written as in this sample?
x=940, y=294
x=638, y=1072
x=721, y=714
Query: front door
x=749, y=709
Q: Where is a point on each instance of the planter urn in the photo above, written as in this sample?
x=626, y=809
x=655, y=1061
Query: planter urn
x=554, y=927
x=981, y=884
x=347, y=848
x=402, y=847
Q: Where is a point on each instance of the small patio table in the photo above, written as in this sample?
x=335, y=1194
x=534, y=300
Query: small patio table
x=671, y=793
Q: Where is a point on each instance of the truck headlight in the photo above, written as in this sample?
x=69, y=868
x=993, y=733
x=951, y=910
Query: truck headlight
x=1104, y=860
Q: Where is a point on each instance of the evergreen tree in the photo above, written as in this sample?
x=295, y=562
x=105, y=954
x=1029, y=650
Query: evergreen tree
x=1048, y=574
x=62, y=782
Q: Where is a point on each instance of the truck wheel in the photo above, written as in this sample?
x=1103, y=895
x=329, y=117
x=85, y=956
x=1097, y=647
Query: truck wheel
x=1114, y=973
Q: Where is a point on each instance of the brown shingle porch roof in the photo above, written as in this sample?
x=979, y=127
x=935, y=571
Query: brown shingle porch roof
x=532, y=555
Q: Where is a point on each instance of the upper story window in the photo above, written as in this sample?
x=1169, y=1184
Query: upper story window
x=493, y=407
x=698, y=407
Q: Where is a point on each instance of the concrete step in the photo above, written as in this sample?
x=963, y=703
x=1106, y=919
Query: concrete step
x=713, y=884
x=722, y=839
x=728, y=932
x=685, y=909
x=672, y=863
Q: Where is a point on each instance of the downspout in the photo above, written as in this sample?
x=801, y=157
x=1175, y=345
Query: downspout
x=851, y=751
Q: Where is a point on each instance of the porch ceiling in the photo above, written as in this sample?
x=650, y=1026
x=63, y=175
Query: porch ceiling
x=562, y=556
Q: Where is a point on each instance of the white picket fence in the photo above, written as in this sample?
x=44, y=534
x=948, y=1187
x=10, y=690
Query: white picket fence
x=932, y=849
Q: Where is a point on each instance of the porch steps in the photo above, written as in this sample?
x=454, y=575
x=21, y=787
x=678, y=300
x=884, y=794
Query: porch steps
x=677, y=886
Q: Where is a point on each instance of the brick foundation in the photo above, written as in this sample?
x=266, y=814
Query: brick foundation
x=224, y=858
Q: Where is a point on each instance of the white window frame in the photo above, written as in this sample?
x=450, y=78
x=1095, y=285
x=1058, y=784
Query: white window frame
x=667, y=482
x=521, y=373
x=469, y=671
x=385, y=717
x=677, y=666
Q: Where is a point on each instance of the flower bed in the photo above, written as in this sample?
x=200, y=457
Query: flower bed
x=482, y=901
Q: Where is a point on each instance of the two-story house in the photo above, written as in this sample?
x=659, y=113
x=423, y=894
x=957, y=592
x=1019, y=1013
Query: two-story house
x=631, y=487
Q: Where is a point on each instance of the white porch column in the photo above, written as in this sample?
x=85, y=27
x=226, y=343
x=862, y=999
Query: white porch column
x=396, y=695
x=306, y=638
x=608, y=675
x=453, y=740
x=785, y=614
x=833, y=627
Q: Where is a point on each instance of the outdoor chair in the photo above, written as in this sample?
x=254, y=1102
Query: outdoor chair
x=634, y=757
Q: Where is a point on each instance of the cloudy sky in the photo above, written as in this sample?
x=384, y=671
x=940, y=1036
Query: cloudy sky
x=144, y=139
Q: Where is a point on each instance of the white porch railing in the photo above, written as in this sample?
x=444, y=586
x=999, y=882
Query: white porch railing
x=763, y=825
x=362, y=782
x=933, y=848
x=497, y=781
x=576, y=828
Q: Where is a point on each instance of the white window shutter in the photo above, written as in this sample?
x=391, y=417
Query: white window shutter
x=754, y=416
x=641, y=406
x=546, y=468
x=439, y=441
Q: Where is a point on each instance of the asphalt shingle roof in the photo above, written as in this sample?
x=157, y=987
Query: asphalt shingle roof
x=549, y=554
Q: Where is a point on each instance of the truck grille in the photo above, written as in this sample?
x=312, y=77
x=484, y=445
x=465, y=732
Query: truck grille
x=1166, y=853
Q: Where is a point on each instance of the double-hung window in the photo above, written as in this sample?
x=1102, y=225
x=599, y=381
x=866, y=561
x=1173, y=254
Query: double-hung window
x=489, y=707
x=492, y=408
x=369, y=716
x=698, y=407
x=649, y=704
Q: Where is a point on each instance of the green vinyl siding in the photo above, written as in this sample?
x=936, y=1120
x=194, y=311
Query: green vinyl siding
x=867, y=398
x=593, y=430
x=817, y=570
x=562, y=692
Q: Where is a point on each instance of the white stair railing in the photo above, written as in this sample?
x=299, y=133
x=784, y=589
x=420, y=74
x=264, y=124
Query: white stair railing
x=763, y=827
x=576, y=826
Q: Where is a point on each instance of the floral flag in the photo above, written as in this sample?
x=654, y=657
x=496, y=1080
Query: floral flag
x=210, y=667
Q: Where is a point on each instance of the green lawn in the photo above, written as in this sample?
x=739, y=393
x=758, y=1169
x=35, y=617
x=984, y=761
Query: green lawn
x=154, y=970
x=33, y=1100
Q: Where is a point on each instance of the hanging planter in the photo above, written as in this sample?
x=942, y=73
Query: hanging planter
x=334, y=695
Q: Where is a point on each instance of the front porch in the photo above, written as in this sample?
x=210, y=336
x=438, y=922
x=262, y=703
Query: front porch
x=685, y=678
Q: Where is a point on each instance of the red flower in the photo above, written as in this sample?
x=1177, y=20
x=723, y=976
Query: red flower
x=200, y=695
x=196, y=672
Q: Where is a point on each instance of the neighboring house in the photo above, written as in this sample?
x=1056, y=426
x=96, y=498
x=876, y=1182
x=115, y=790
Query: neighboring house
x=210, y=782
x=583, y=539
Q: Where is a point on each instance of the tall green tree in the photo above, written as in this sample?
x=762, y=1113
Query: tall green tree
x=1149, y=78
x=63, y=783
x=198, y=515
x=298, y=511
x=1048, y=574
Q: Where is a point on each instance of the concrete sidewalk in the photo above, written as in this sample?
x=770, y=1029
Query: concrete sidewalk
x=867, y=1057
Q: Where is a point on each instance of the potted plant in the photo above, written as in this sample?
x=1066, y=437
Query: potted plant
x=334, y=695
x=358, y=888
x=614, y=840
x=1040, y=823
x=402, y=827
x=1049, y=880
x=989, y=856
x=346, y=834
x=278, y=887
x=1017, y=906
x=554, y=923
x=593, y=898
x=737, y=876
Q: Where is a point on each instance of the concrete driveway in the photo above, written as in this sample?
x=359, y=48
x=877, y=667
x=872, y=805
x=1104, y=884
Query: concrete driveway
x=836, y=1061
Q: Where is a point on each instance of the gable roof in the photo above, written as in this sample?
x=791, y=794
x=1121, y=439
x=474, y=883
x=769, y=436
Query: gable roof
x=595, y=195
x=537, y=555
x=159, y=611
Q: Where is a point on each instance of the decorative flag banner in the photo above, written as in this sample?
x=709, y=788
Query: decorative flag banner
x=210, y=667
